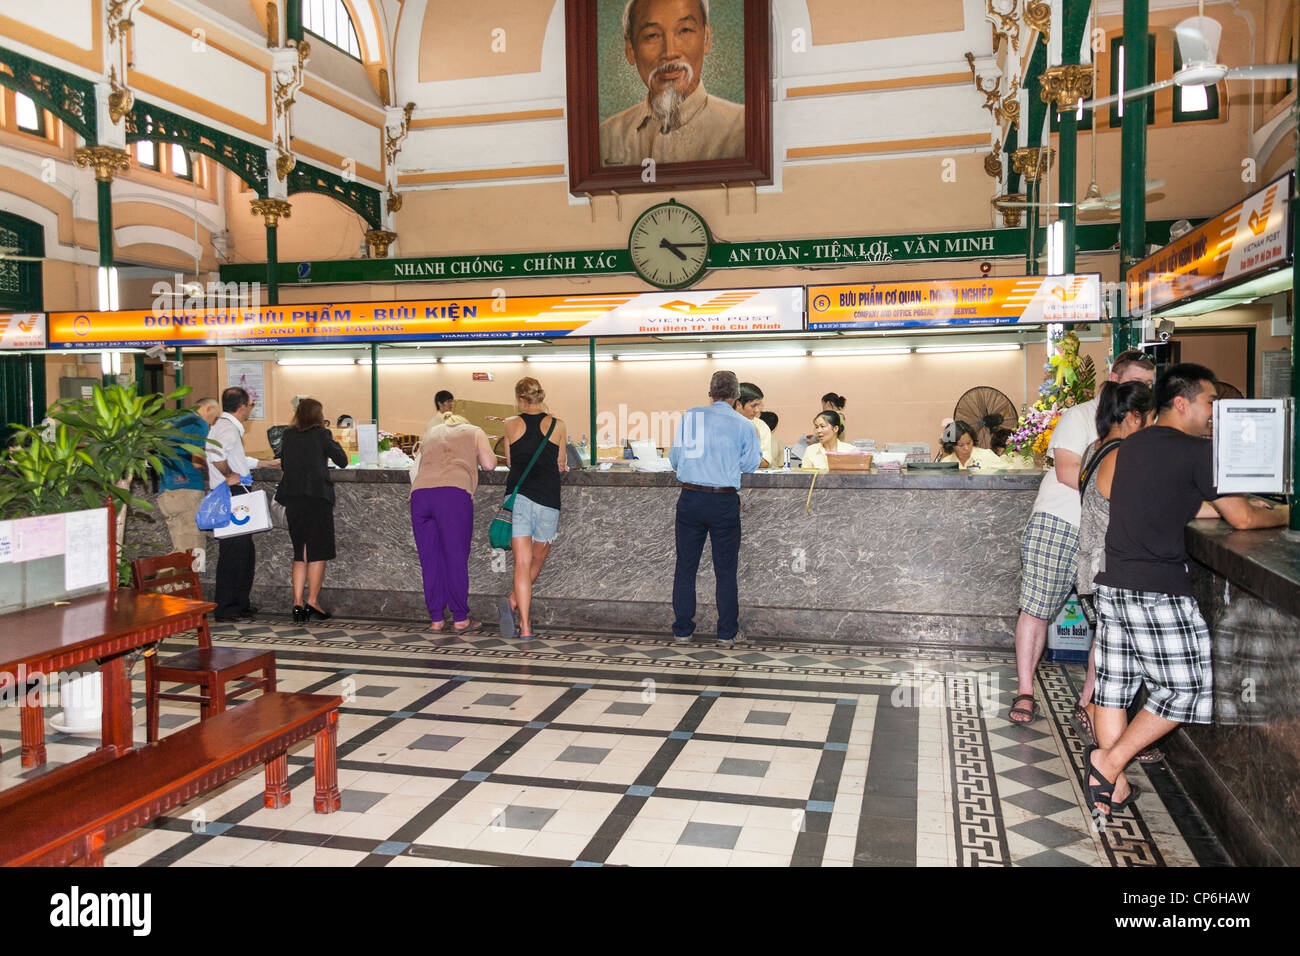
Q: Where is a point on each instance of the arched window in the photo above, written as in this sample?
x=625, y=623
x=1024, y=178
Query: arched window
x=329, y=20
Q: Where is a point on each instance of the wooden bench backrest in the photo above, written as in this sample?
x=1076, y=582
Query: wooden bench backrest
x=38, y=817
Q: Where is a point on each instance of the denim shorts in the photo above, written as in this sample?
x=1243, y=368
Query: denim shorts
x=531, y=520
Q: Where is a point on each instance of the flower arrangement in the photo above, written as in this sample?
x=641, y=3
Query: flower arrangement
x=385, y=440
x=1034, y=431
x=1070, y=381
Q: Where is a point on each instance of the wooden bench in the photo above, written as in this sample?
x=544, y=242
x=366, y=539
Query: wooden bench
x=65, y=817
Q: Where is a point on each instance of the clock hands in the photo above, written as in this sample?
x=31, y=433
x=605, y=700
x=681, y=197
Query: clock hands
x=676, y=247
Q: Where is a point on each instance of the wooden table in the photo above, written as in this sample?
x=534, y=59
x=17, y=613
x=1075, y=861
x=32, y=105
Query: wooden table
x=100, y=627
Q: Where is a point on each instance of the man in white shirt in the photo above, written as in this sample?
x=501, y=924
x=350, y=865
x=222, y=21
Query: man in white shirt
x=227, y=463
x=1049, y=549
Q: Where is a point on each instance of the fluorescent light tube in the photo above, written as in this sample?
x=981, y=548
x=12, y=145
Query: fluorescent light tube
x=884, y=350
x=659, y=356
x=986, y=347
x=480, y=359
x=760, y=354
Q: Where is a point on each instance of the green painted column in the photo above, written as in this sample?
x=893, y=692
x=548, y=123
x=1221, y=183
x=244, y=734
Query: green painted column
x=104, y=195
x=1133, y=159
x=374, y=382
x=1068, y=158
x=272, y=267
x=1031, y=227
x=1295, y=348
x=293, y=20
x=591, y=365
x=180, y=379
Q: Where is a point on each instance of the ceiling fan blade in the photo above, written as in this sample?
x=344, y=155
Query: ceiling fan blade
x=4, y=257
x=1152, y=184
x=1140, y=92
x=1263, y=71
x=1198, y=40
x=1032, y=205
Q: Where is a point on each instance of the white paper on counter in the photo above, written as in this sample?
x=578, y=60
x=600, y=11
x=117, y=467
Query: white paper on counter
x=85, y=556
x=1250, y=443
x=6, y=542
x=368, y=444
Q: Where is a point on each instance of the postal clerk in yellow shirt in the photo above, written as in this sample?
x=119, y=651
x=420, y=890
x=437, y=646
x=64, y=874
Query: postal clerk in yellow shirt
x=829, y=429
x=966, y=455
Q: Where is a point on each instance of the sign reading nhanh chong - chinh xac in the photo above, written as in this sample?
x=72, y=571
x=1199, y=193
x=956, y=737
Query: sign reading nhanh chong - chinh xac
x=1008, y=300
x=519, y=317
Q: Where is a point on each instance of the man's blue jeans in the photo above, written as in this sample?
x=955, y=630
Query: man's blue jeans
x=701, y=513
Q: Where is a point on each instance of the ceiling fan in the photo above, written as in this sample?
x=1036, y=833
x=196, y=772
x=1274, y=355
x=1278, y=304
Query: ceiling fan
x=1198, y=46
x=10, y=254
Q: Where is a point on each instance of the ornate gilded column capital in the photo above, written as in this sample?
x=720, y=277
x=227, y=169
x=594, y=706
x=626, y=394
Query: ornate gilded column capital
x=1010, y=214
x=1065, y=85
x=1032, y=161
x=271, y=210
x=379, y=240
x=105, y=160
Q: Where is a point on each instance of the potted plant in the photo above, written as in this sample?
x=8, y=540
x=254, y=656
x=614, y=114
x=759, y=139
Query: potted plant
x=90, y=449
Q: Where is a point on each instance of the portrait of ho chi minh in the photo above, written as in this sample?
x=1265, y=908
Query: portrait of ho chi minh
x=679, y=121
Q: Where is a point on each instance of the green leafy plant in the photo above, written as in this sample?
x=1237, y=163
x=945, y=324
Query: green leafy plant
x=90, y=449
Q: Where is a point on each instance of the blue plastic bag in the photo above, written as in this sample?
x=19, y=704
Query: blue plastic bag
x=214, y=509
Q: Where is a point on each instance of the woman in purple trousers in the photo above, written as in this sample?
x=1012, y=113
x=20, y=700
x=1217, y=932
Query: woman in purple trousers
x=442, y=513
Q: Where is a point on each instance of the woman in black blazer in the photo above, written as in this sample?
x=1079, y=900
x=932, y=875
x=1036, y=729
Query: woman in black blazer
x=308, y=498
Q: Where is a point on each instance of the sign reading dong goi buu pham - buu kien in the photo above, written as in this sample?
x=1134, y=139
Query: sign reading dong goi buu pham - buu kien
x=1252, y=237
x=502, y=317
x=1002, y=300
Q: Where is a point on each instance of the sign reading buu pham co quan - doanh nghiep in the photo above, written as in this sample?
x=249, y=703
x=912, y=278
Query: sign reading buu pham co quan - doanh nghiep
x=500, y=317
x=1001, y=300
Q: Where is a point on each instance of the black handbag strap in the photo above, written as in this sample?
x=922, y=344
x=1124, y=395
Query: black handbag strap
x=532, y=461
x=1090, y=468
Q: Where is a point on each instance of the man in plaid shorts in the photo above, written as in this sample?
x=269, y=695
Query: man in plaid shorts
x=1149, y=626
x=1049, y=548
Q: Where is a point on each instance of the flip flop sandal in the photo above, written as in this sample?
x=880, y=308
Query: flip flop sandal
x=1083, y=725
x=1032, y=711
x=1128, y=801
x=1099, y=792
x=472, y=625
x=1151, y=755
x=507, y=618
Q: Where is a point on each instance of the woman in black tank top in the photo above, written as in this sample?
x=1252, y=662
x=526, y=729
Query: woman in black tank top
x=537, y=505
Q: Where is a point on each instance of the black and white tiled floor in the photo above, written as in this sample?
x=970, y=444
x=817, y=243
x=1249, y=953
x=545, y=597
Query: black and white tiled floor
x=599, y=748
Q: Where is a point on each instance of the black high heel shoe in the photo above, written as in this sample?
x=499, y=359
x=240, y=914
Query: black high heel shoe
x=315, y=612
x=299, y=614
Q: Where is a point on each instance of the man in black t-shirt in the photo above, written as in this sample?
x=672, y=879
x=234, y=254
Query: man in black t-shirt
x=1149, y=626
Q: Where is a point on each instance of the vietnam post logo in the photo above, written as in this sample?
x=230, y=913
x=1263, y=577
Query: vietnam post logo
x=821, y=303
x=239, y=514
x=81, y=325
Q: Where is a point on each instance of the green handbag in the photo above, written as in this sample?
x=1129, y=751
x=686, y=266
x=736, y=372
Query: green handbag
x=502, y=524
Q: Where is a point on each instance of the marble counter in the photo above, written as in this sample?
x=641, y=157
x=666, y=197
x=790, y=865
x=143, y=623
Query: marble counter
x=877, y=558
x=1243, y=770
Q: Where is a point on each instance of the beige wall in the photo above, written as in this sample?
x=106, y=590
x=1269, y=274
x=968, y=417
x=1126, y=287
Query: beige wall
x=890, y=398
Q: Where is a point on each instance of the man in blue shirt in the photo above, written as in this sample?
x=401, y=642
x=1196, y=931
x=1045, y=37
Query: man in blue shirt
x=714, y=444
x=184, y=479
